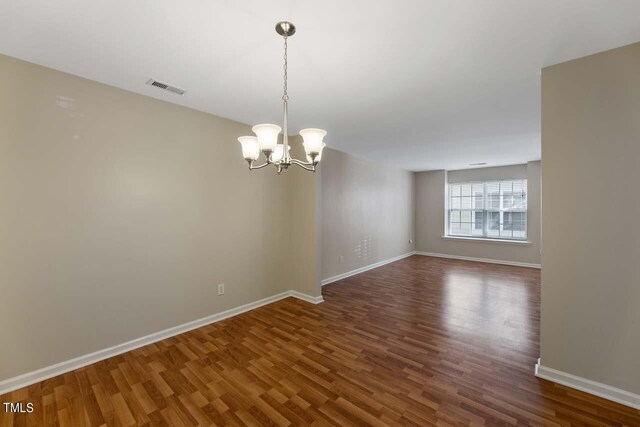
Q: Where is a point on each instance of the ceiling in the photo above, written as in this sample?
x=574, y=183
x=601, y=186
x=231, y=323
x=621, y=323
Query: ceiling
x=424, y=84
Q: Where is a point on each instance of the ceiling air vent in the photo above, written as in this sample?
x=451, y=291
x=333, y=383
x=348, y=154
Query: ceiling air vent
x=165, y=86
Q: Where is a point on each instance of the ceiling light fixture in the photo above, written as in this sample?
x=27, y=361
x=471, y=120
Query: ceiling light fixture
x=266, y=139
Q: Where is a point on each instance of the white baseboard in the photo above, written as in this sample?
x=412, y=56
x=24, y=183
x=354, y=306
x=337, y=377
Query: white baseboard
x=61, y=368
x=363, y=269
x=433, y=254
x=598, y=389
x=487, y=260
x=305, y=297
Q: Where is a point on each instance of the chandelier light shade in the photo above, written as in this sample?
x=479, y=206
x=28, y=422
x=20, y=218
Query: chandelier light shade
x=267, y=136
x=312, y=140
x=319, y=156
x=266, y=139
x=278, y=154
x=250, y=147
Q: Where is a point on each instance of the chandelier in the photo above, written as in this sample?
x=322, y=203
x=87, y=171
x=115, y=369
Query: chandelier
x=266, y=139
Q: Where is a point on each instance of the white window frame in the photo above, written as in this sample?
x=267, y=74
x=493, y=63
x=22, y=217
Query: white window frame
x=485, y=212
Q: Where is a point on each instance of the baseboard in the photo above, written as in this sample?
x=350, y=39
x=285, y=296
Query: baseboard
x=433, y=254
x=588, y=386
x=487, y=260
x=307, y=298
x=29, y=378
x=363, y=269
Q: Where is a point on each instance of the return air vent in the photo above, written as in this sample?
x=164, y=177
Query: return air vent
x=165, y=86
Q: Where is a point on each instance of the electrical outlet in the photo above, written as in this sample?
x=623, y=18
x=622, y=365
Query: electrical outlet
x=340, y=259
x=221, y=289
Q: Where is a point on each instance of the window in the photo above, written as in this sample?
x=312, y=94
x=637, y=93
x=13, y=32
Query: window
x=492, y=209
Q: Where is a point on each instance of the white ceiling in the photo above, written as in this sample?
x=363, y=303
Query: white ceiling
x=424, y=84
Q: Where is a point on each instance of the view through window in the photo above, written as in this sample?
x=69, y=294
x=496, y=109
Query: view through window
x=490, y=209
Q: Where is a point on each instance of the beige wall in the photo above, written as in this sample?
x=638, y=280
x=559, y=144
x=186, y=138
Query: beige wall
x=120, y=214
x=591, y=276
x=488, y=174
x=304, y=223
x=367, y=212
x=430, y=214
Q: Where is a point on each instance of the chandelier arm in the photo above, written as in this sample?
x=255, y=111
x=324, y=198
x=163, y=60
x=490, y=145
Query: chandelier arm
x=301, y=163
x=251, y=167
x=304, y=165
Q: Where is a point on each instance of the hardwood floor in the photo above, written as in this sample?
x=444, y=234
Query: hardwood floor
x=422, y=341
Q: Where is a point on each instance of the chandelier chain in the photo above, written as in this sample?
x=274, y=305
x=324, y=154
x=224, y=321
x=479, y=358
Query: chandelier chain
x=285, y=97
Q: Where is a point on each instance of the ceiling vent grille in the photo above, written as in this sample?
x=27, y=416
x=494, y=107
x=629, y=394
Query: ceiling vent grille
x=165, y=86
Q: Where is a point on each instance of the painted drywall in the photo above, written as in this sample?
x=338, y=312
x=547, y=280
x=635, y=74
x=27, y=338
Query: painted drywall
x=304, y=222
x=367, y=213
x=591, y=163
x=430, y=214
x=487, y=174
x=120, y=215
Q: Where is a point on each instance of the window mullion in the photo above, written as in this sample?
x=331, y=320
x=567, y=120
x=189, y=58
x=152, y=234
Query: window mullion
x=484, y=212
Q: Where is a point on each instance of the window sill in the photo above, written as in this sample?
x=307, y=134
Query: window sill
x=486, y=240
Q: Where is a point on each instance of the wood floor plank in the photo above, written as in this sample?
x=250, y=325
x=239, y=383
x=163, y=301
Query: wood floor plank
x=422, y=341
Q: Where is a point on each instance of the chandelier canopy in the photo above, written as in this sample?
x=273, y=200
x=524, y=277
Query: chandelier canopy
x=266, y=139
